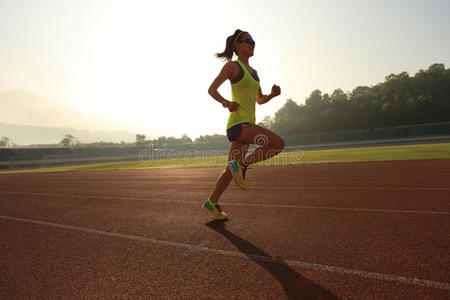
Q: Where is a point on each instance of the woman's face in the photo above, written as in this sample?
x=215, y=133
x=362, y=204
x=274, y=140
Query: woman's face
x=245, y=45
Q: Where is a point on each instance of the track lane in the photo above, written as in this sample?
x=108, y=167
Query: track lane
x=397, y=243
x=74, y=264
x=411, y=245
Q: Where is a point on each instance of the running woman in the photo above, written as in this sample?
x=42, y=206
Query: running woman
x=241, y=128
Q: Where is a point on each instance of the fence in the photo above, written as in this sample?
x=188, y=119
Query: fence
x=22, y=157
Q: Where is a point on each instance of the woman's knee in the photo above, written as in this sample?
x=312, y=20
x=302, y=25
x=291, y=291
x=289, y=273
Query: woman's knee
x=278, y=143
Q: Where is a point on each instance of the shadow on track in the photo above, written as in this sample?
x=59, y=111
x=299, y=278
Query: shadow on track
x=295, y=286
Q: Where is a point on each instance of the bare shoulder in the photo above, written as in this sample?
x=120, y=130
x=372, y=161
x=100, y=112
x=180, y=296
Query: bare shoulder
x=231, y=66
x=231, y=69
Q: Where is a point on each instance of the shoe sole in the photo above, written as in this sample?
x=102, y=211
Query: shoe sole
x=234, y=178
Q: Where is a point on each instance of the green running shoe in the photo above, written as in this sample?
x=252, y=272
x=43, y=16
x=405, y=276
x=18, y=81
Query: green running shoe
x=214, y=210
x=238, y=173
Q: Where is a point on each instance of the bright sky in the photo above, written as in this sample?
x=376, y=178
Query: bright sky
x=148, y=64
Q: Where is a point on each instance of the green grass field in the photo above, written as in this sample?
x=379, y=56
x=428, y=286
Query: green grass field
x=407, y=152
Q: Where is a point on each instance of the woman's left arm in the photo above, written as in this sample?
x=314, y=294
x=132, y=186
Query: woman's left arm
x=261, y=99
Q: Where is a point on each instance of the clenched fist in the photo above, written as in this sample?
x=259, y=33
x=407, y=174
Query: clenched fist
x=276, y=90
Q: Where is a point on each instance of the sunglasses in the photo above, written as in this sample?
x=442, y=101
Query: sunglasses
x=248, y=41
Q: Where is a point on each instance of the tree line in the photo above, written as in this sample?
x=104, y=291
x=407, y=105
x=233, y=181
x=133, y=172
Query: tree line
x=185, y=139
x=399, y=100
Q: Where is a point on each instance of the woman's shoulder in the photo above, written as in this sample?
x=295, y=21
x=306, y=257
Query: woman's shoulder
x=232, y=68
x=232, y=64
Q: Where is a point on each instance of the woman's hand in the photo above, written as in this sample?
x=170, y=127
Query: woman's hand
x=261, y=99
x=233, y=106
x=276, y=90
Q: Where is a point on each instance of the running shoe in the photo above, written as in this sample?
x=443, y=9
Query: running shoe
x=214, y=210
x=238, y=173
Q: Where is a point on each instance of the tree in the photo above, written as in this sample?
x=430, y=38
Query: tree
x=68, y=141
x=5, y=142
x=185, y=139
x=338, y=96
x=140, y=139
x=161, y=141
x=315, y=99
x=267, y=122
x=287, y=118
x=315, y=105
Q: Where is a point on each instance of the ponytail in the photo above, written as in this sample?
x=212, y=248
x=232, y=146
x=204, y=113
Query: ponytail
x=227, y=54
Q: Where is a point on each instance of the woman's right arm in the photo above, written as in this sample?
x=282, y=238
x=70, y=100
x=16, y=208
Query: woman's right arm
x=228, y=71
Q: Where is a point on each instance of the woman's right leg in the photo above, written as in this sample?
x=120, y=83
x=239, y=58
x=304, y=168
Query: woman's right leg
x=237, y=151
x=271, y=144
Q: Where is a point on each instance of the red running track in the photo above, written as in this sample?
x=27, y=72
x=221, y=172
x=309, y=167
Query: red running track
x=324, y=231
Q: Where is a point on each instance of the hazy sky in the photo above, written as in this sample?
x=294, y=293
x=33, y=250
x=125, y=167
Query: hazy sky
x=148, y=64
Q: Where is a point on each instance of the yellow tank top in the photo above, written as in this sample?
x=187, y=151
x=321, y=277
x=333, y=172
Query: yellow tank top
x=244, y=92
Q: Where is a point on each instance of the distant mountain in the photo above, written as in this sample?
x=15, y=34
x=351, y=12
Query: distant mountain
x=29, y=119
x=24, y=108
x=31, y=135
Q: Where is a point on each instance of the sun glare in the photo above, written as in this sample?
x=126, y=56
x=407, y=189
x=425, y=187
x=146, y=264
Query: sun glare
x=147, y=72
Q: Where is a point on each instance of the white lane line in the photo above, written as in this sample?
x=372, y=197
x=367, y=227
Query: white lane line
x=190, y=252
x=301, y=264
x=345, y=208
x=279, y=187
x=356, y=188
x=238, y=204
